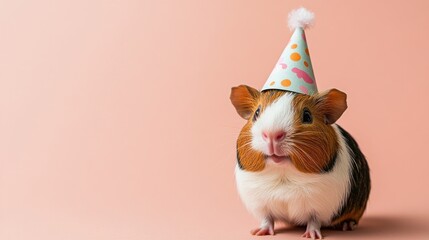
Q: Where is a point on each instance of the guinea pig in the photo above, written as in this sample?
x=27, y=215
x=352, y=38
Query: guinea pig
x=295, y=165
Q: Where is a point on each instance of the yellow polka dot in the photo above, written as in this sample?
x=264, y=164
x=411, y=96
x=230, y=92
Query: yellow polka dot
x=294, y=46
x=306, y=51
x=295, y=56
x=272, y=83
x=306, y=63
x=286, y=83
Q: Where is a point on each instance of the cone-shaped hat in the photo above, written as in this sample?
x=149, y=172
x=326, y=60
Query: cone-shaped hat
x=294, y=71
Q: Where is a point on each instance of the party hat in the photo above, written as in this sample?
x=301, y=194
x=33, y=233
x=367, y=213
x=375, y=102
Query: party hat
x=294, y=71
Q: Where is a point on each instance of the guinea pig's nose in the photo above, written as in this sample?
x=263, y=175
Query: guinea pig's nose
x=276, y=136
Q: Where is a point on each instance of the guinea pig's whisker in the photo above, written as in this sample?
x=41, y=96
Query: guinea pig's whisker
x=300, y=156
x=306, y=144
x=246, y=135
x=306, y=133
x=308, y=157
x=314, y=142
x=311, y=144
x=244, y=145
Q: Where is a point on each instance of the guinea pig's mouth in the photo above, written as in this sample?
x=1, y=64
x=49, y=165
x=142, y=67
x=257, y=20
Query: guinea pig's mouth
x=277, y=159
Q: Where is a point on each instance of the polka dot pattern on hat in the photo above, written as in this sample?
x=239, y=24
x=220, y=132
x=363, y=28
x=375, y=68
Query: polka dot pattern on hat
x=293, y=71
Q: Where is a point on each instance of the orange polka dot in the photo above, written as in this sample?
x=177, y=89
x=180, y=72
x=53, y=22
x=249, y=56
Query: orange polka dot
x=295, y=56
x=306, y=51
x=272, y=83
x=294, y=46
x=306, y=63
x=286, y=83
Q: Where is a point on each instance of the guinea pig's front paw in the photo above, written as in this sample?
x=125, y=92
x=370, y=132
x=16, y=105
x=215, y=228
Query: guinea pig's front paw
x=313, y=230
x=269, y=230
x=266, y=228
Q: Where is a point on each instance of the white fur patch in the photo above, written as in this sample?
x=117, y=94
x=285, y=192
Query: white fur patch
x=283, y=193
x=277, y=116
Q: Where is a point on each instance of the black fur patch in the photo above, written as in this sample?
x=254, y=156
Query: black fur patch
x=331, y=164
x=360, y=185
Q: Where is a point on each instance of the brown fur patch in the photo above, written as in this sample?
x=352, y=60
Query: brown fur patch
x=332, y=103
x=248, y=158
x=244, y=99
x=314, y=144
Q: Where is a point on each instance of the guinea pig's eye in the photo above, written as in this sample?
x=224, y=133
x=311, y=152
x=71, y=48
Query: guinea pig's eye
x=306, y=116
x=256, y=115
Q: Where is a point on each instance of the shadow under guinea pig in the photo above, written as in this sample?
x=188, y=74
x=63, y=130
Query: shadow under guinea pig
x=379, y=226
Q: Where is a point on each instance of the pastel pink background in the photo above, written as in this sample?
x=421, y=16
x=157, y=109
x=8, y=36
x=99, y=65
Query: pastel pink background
x=116, y=122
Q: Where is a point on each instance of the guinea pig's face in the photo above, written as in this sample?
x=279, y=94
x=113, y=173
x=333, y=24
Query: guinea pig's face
x=287, y=127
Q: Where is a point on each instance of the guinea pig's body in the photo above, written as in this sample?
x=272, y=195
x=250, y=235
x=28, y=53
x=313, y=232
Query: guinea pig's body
x=295, y=165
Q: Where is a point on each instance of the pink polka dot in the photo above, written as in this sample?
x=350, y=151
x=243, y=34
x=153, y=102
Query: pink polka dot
x=303, y=75
x=283, y=65
x=303, y=89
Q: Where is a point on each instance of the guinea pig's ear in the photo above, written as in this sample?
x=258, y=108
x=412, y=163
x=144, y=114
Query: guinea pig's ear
x=332, y=103
x=244, y=99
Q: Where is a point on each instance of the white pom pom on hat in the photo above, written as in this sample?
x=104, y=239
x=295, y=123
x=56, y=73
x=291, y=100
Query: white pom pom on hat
x=294, y=71
x=300, y=17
